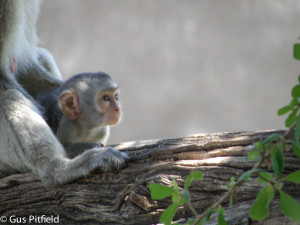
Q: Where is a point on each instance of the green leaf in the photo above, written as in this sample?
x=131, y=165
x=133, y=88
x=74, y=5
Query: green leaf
x=232, y=183
x=296, y=51
x=296, y=91
x=221, y=220
x=232, y=179
x=259, y=146
x=190, y=221
x=270, y=192
x=294, y=177
x=277, y=161
x=247, y=174
x=299, y=78
x=271, y=138
x=177, y=198
x=159, y=191
x=291, y=118
x=220, y=209
x=265, y=175
x=175, y=184
x=294, y=102
x=253, y=155
x=278, y=185
x=186, y=195
x=297, y=130
x=259, y=209
x=201, y=222
x=290, y=207
x=296, y=149
x=208, y=214
x=168, y=214
x=284, y=110
x=197, y=175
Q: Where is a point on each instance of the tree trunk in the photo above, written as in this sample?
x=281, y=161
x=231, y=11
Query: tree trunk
x=123, y=197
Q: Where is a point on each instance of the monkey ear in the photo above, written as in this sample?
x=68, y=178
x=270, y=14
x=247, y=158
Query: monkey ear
x=69, y=105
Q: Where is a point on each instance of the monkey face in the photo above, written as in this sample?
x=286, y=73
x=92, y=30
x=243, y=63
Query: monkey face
x=109, y=106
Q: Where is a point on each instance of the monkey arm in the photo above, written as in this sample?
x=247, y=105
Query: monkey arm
x=78, y=148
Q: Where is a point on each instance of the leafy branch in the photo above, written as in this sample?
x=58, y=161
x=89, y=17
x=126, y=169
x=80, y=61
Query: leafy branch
x=268, y=151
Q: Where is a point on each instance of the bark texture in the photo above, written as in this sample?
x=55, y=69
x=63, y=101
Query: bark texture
x=123, y=197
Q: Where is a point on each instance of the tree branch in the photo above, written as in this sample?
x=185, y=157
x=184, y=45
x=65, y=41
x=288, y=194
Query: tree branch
x=123, y=197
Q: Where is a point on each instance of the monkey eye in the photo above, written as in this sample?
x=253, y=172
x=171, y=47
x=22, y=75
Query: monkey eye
x=106, y=98
x=116, y=97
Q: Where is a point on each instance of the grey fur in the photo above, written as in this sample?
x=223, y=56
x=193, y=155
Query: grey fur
x=18, y=39
x=89, y=127
x=26, y=141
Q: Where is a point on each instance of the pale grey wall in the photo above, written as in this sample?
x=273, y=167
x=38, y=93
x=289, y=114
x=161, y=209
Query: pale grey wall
x=183, y=66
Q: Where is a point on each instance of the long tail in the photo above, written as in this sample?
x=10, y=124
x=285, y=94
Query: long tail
x=9, y=17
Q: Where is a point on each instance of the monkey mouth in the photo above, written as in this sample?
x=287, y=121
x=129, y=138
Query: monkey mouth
x=114, y=120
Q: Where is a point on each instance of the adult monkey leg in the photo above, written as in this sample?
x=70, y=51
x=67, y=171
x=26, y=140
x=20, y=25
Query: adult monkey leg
x=47, y=61
x=26, y=142
x=41, y=74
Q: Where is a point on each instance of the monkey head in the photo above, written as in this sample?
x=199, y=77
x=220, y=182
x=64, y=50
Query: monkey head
x=92, y=97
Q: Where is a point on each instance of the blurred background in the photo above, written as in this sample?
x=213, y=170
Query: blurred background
x=183, y=66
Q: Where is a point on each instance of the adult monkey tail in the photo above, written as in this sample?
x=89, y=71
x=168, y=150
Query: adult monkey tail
x=27, y=144
x=7, y=25
x=21, y=67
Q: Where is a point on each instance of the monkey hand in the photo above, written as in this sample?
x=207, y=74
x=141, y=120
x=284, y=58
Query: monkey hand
x=64, y=170
x=111, y=159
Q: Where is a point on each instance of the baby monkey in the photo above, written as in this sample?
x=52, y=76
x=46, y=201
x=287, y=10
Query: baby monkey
x=81, y=111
